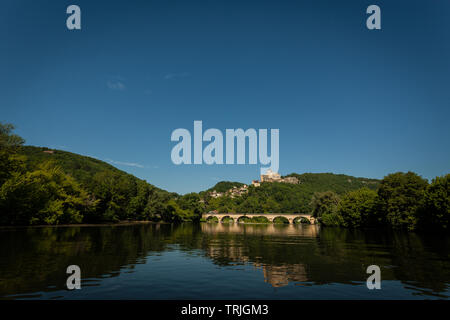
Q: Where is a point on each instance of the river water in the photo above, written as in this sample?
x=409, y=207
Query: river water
x=220, y=261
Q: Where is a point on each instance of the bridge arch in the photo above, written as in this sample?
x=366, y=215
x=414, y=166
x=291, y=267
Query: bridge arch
x=281, y=219
x=243, y=219
x=212, y=219
x=260, y=219
x=301, y=220
x=227, y=219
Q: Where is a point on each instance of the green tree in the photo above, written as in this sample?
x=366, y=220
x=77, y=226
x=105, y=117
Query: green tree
x=400, y=196
x=357, y=208
x=136, y=205
x=436, y=210
x=191, y=205
x=44, y=196
x=331, y=219
x=324, y=203
x=10, y=161
x=9, y=139
x=156, y=207
x=114, y=192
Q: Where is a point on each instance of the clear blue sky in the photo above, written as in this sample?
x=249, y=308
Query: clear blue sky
x=346, y=99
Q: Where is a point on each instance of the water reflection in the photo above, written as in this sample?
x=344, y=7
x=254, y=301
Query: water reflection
x=261, y=229
x=233, y=252
x=34, y=260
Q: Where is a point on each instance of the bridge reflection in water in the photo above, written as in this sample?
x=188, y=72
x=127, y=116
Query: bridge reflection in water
x=276, y=275
x=262, y=229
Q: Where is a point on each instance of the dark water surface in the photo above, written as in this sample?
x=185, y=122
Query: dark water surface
x=218, y=261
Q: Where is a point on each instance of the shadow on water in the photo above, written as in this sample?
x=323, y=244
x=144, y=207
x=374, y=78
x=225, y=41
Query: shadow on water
x=34, y=260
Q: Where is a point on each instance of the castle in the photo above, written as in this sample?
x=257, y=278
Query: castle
x=271, y=176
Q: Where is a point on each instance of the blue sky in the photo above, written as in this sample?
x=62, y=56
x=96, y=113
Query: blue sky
x=345, y=99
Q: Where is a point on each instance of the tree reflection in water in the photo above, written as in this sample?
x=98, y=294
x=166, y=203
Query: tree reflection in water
x=35, y=259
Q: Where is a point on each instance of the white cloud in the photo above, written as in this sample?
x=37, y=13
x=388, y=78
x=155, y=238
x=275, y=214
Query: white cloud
x=116, y=85
x=129, y=164
x=170, y=76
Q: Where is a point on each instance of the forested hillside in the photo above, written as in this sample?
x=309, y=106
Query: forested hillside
x=284, y=197
x=82, y=168
x=339, y=183
x=400, y=200
x=43, y=186
x=119, y=195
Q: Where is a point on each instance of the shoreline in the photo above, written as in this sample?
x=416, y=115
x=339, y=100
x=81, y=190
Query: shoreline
x=103, y=224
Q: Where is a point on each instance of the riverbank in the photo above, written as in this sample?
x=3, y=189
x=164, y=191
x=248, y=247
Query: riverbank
x=119, y=223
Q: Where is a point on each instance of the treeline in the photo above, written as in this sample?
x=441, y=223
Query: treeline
x=57, y=187
x=43, y=186
x=224, y=186
x=276, y=197
x=402, y=201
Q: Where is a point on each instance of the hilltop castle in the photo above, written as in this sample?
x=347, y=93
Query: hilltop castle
x=271, y=176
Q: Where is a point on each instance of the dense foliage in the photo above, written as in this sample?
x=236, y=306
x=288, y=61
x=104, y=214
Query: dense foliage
x=403, y=200
x=338, y=183
x=43, y=186
x=357, y=208
x=323, y=203
x=224, y=186
x=400, y=200
x=436, y=205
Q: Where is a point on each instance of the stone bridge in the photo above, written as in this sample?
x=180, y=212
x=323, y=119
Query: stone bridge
x=270, y=216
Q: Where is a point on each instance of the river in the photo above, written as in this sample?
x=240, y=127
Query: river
x=220, y=261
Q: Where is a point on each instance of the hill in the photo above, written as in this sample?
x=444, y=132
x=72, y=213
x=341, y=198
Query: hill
x=288, y=198
x=122, y=196
x=339, y=183
x=224, y=186
x=44, y=186
x=82, y=168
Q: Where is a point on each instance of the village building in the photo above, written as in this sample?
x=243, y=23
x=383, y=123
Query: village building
x=256, y=183
x=269, y=176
